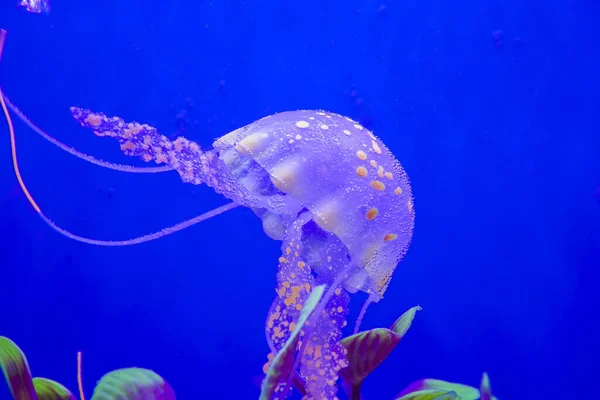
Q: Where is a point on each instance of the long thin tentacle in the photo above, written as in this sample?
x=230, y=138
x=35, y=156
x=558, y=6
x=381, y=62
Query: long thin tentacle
x=79, y=378
x=146, y=238
x=2, y=39
x=141, y=239
x=361, y=315
x=129, y=242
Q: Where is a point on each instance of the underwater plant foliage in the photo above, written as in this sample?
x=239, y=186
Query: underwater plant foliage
x=120, y=384
x=366, y=351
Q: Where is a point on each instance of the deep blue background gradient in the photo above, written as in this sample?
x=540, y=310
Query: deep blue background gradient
x=500, y=141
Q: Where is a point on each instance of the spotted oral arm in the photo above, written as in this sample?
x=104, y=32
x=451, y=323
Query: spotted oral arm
x=145, y=142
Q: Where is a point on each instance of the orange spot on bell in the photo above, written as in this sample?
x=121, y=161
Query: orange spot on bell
x=371, y=214
x=378, y=185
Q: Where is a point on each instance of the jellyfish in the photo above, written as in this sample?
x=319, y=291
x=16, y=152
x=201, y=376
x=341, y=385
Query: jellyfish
x=35, y=6
x=322, y=184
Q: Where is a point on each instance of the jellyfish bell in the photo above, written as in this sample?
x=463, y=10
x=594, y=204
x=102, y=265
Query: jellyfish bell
x=343, y=175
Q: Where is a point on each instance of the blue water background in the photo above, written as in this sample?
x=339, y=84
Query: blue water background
x=497, y=131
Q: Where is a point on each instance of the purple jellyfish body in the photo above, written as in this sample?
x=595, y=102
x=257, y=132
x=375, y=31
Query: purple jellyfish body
x=323, y=185
x=36, y=6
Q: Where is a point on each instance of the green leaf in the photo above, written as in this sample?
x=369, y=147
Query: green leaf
x=47, y=389
x=430, y=394
x=464, y=391
x=402, y=324
x=133, y=384
x=366, y=350
x=281, y=365
x=16, y=370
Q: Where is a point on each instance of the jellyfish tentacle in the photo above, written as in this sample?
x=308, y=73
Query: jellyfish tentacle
x=362, y=313
x=294, y=284
x=64, y=232
x=79, y=379
x=125, y=168
x=13, y=150
x=324, y=356
x=146, y=238
x=11, y=132
x=318, y=324
x=2, y=40
x=141, y=239
x=79, y=154
x=145, y=142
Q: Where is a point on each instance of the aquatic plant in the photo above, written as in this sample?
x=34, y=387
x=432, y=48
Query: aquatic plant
x=120, y=384
x=365, y=352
